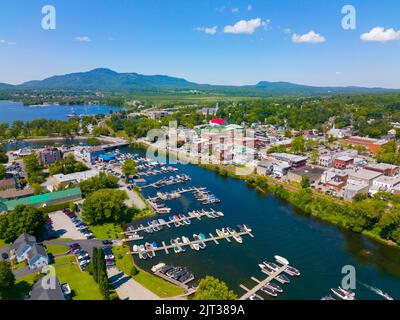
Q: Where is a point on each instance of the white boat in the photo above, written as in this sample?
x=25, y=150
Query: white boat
x=219, y=233
x=238, y=238
x=281, y=260
x=247, y=228
x=135, y=248
x=343, y=294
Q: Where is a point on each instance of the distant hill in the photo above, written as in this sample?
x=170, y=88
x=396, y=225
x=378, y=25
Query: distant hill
x=108, y=80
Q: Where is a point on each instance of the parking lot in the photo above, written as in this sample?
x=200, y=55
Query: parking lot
x=64, y=227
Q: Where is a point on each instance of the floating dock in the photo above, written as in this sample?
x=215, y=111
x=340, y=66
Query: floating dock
x=260, y=284
x=190, y=244
x=199, y=215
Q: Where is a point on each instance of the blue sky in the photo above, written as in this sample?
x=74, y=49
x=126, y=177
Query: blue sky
x=274, y=41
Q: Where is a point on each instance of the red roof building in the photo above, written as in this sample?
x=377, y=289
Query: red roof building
x=218, y=122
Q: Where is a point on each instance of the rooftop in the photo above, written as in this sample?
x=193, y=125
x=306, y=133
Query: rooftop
x=364, y=174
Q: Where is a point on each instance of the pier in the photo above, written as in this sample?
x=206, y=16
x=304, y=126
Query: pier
x=174, y=194
x=190, y=244
x=260, y=284
x=192, y=215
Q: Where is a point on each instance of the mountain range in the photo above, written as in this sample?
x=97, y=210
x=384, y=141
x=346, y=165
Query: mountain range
x=107, y=80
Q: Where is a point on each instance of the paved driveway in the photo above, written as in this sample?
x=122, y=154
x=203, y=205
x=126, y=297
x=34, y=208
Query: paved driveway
x=64, y=227
x=127, y=288
x=86, y=245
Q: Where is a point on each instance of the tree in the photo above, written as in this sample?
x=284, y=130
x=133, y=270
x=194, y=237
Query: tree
x=22, y=219
x=3, y=171
x=305, y=182
x=3, y=157
x=37, y=188
x=298, y=144
x=211, y=288
x=33, y=169
x=101, y=181
x=134, y=271
x=7, y=280
x=67, y=166
x=129, y=168
x=106, y=205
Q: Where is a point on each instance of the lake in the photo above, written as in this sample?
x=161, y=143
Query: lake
x=318, y=249
x=12, y=111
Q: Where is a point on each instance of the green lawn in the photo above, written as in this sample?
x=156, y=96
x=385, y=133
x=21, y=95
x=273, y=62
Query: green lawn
x=56, y=249
x=82, y=283
x=3, y=243
x=107, y=231
x=23, y=287
x=19, y=265
x=65, y=259
x=155, y=284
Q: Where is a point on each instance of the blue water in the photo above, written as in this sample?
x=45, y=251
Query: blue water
x=318, y=249
x=12, y=111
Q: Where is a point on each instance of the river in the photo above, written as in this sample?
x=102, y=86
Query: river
x=12, y=111
x=318, y=249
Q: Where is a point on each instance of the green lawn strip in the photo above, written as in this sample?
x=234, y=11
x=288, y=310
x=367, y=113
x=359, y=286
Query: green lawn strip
x=155, y=284
x=82, y=283
x=107, y=231
x=64, y=260
x=19, y=265
x=3, y=243
x=23, y=286
x=56, y=249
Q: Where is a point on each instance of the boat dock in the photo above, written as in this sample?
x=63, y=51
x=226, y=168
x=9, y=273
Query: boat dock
x=192, y=215
x=262, y=283
x=212, y=238
x=174, y=194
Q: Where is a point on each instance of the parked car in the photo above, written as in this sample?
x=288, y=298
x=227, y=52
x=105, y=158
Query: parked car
x=4, y=256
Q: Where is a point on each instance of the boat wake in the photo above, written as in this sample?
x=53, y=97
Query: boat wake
x=377, y=291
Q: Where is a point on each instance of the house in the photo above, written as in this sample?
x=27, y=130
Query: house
x=64, y=180
x=48, y=292
x=25, y=248
x=325, y=161
x=343, y=162
x=49, y=156
x=388, y=170
x=312, y=173
x=43, y=200
x=334, y=179
x=273, y=167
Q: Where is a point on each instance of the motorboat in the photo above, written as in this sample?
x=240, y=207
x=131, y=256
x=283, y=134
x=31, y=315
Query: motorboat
x=271, y=265
x=238, y=238
x=247, y=228
x=255, y=297
x=269, y=291
x=231, y=231
x=219, y=233
x=328, y=297
x=275, y=287
x=186, y=240
x=225, y=232
x=292, y=271
x=176, y=247
x=135, y=248
x=179, y=243
x=343, y=294
x=202, y=244
x=282, y=278
x=281, y=260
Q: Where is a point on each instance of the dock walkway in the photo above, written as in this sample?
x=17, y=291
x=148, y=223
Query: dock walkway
x=261, y=284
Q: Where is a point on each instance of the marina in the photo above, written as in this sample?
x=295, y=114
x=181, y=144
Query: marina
x=149, y=250
x=177, y=221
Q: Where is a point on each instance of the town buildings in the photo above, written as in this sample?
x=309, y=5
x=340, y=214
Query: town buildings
x=49, y=156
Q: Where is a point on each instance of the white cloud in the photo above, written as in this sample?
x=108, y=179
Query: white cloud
x=2, y=41
x=249, y=7
x=381, y=35
x=247, y=27
x=208, y=30
x=310, y=37
x=82, y=39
